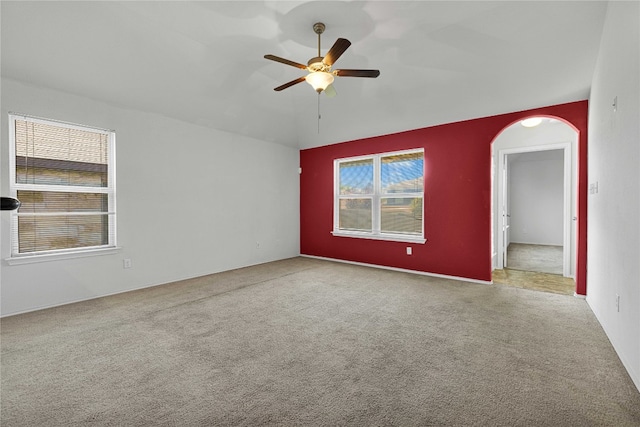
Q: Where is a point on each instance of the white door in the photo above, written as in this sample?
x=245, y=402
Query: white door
x=505, y=210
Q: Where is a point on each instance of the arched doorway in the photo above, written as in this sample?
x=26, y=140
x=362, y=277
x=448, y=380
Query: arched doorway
x=534, y=204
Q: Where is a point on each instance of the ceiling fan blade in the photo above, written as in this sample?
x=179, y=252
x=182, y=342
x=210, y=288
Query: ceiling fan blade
x=330, y=91
x=286, y=61
x=336, y=50
x=357, y=73
x=291, y=83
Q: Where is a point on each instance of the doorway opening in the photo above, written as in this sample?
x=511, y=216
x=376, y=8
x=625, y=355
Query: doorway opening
x=534, y=220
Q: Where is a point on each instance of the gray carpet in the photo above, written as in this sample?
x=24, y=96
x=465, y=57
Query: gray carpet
x=311, y=342
x=540, y=258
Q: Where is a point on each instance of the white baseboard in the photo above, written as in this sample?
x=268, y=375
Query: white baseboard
x=403, y=270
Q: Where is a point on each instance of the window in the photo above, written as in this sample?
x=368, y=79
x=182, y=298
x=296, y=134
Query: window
x=380, y=196
x=63, y=175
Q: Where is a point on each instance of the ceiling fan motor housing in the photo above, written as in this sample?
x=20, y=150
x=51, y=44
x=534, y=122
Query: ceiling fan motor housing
x=316, y=64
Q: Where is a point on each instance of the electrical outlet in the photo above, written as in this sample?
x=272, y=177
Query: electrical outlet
x=409, y=250
x=126, y=263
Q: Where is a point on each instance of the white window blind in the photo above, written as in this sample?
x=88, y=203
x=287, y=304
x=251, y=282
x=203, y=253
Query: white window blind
x=63, y=175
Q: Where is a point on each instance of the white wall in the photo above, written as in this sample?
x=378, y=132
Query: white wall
x=536, y=197
x=191, y=201
x=613, y=257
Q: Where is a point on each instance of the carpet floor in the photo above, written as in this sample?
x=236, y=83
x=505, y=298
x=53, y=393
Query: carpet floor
x=540, y=258
x=311, y=342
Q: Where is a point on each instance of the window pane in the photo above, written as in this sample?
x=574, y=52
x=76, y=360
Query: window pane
x=401, y=215
x=356, y=177
x=54, y=202
x=402, y=173
x=62, y=232
x=57, y=155
x=31, y=171
x=355, y=214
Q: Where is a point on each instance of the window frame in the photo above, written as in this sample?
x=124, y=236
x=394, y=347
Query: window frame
x=376, y=198
x=110, y=190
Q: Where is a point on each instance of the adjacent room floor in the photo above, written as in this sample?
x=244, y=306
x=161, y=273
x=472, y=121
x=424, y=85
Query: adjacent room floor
x=540, y=258
x=533, y=280
x=536, y=267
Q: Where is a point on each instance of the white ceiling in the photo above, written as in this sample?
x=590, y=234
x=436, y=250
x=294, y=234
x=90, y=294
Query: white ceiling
x=202, y=61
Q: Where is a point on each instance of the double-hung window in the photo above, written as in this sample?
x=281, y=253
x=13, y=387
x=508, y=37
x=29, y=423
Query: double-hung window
x=63, y=175
x=380, y=196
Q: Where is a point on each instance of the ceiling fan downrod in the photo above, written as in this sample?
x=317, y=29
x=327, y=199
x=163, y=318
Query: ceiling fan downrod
x=318, y=28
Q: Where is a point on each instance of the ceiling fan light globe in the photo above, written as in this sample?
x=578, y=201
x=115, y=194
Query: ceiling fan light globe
x=319, y=80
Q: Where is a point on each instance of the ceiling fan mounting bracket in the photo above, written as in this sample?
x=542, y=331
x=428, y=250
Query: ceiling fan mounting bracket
x=318, y=28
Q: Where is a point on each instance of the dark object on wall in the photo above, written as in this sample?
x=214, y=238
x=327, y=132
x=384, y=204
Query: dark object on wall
x=10, y=204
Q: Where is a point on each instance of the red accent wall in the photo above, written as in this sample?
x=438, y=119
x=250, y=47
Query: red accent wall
x=457, y=197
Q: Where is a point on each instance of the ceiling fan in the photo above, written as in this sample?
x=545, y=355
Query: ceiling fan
x=320, y=76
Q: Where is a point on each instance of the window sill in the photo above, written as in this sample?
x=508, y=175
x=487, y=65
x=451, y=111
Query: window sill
x=30, y=259
x=387, y=237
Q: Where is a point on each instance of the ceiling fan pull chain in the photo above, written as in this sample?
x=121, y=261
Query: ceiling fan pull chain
x=319, y=113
